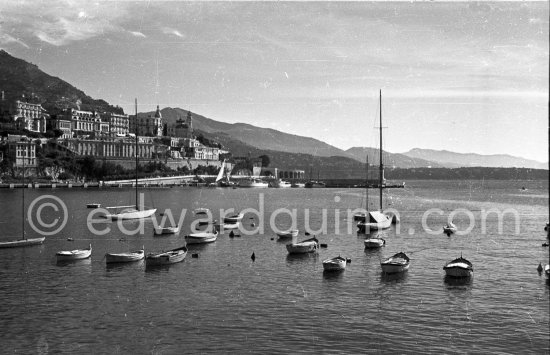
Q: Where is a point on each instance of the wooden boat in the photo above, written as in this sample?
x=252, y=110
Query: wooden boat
x=132, y=212
x=166, y=257
x=288, y=234
x=397, y=263
x=374, y=242
x=234, y=218
x=298, y=184
x=77, y=254
x=202, y=237
x=24, y=241
x=377, y=220
x=111, y=258
x=459, y=267
x=334, y=264
x=305, y=246
x=547, y=270
x=235, y=225
x=167, y=230
x=313, y=184
x=207, y=222
x=93, y=205
x=253, y=182
x=449, y=228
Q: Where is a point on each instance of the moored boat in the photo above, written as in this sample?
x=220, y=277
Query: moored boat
x=22, y=242
x=234, y=218
x=166, y=257
x=375, y=220
x=298, y=184
x=201, y=210
x=397, y=263
x=129, y=212
x=449, y=228
x=77, y=254
x=374, y=242
x=111, y=258
x=288, y=234
x=202, y=237
x=305, y=246
x=167, y=230
x=334, y=264
x=93, y=205
x=459, y=267
x=314, y=184
x=547, y=270
x=253, y=182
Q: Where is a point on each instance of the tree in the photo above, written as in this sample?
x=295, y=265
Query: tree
x=265, y=161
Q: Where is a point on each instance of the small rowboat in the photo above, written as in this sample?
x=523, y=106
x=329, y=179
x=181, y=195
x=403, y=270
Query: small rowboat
x=305, y=246
x=230, y=225
x=233, y=218
x=166, y=257
x=167, y=230
x=459, y=267
x=288, y=234
x=397, y=263
x=77, y=254
x=374, y=242
x=93, y=205
x=547, y=270
x=124, y=257
x=201, y=238
x=335, y=264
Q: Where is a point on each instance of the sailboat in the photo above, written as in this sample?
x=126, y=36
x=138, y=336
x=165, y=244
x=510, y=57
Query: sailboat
x=376, y=220
x=362, y=216
x=132, y=212
x=24, y=241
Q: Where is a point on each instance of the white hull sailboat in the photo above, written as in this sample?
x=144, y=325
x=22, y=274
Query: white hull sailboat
x=376, y=220
x=24, y=241
x=134, y=211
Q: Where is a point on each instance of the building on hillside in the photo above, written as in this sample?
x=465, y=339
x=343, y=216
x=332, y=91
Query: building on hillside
x=63, y=124
x=22, y=152
x=85, y=123
x=21, y=114
x=182, y=128
x=150, y=125
x=192, y=148
x=119, y=124
x=122, y=148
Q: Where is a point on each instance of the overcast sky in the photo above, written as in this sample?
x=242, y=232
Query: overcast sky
x=465, y=77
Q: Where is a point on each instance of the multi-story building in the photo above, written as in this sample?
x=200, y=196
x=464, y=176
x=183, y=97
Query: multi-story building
x=25, y=115
x=119, y=124
x=192, y=148
x=62, y=124
x=111, y=148
x=22, y=152
x=150, y=125
x=182, y=128
x=86, y=122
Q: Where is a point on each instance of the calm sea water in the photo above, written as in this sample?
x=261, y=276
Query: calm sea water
x=224, y=302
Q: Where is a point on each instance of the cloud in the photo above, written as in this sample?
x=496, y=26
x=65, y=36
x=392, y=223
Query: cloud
x=60, y=22
x=137, y=34
x=6, y=38
x=171, y=31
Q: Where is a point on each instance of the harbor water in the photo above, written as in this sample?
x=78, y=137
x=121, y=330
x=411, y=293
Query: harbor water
x=224, y=302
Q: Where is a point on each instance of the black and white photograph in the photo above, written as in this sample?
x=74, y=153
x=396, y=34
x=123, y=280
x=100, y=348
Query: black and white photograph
x=267, y=177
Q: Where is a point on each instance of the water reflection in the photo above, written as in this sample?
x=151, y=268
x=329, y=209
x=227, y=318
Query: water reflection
x=333, y=275
x=123, y=266
x=301, y=258
x=394, y=277
x=458, y=281
x=77, y=264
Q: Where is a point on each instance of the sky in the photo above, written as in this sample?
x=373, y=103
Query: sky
x=469, y=77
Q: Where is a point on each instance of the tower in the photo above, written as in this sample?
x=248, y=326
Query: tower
x=189, y=125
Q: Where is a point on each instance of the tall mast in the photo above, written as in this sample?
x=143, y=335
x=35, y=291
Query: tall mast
x=367, y=186
x=381, y=175
x=23, y=206
x=137, y=205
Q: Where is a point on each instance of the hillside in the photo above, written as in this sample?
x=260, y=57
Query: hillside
x=17, y=78
x=261, y=138
x=390, y=159
x=452, y=159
